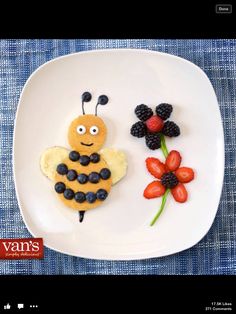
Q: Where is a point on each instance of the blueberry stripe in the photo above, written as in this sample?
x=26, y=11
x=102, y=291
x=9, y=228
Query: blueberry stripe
x=93, y=177
x=84, y=160
x=81, y=197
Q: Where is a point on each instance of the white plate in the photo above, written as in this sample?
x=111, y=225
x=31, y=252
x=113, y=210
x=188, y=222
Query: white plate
x=119, y=229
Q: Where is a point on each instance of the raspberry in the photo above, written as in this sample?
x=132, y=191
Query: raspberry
x=154, y=124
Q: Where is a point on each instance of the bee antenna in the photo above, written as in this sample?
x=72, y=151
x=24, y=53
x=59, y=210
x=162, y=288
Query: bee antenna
x=102, y=100
x=86, y=97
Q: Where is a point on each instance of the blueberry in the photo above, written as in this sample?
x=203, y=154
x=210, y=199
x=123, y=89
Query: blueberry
x=95, y=158
x=103, y=100
x=105, y=173
x=74, y=156
x=80, y=197
x=91, y=197
x=71, y=175
x=62, y=169
x=101, y=194
x=94, y=177
x=86, y=97
x=84, y=160
x=69, y=194
x=82, y=178
x=60, y=187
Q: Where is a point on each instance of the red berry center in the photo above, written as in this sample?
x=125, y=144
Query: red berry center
x=154, y=124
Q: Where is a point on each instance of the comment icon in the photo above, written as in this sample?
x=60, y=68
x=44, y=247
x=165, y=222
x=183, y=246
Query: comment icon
x=20, y=306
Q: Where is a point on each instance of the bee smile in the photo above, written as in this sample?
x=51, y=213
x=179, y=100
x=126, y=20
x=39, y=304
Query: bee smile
x=86, y=144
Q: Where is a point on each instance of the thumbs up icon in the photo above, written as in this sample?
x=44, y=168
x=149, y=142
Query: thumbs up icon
x=7, y=307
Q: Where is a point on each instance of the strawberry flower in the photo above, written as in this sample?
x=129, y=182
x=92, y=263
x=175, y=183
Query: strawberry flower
x=171, y=177
x=154, y=127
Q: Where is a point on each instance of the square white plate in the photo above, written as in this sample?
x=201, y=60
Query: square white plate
x=119, y=229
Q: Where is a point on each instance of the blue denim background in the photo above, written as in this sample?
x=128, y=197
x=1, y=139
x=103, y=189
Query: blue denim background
x=216, y=253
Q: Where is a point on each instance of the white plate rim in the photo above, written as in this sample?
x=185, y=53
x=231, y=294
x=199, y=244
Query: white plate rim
x=119, y=257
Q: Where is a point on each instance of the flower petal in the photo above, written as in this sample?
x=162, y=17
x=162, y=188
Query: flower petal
x=179, y=193
x=155, y=167
x=184, y=174
x=173, y=160
x=154, y=189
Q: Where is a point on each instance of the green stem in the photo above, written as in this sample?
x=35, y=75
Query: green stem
x=163, y=146
x=164, y=197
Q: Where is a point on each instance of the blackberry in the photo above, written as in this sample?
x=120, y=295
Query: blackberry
x=138, y=129
x=170, y=129
x=169, y=180
x=143, y=112
x=153, y=140
x=164, y=111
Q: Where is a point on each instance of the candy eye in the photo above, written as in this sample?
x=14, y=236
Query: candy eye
x=94, y=130
x=81, y=129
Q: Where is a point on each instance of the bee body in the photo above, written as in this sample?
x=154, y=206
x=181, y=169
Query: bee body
x=82, y=177
x=92, y=173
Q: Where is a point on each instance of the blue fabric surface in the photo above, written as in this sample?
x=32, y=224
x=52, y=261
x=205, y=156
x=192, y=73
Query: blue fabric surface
x=216, y=252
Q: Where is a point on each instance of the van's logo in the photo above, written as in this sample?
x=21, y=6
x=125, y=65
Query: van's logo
x=21, y=248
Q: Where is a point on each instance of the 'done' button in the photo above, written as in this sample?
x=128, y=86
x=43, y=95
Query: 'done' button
x=223, y=8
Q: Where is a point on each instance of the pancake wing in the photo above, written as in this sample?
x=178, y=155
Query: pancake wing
x=117, y=163
x=50, y=158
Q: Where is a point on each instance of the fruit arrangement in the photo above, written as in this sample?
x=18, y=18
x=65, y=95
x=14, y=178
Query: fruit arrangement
x=154, y=127
x=84, y=174
x=171, y=177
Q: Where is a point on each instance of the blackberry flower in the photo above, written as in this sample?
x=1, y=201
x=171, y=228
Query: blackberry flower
x=154, y=127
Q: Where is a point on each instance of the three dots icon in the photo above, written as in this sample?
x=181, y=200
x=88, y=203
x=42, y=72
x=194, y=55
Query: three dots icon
x=33, y=306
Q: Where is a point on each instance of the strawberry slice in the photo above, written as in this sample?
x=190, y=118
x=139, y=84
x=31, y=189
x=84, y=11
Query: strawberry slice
x=179, y=193
x=155, y=167
x=154, y=189
x=154, y=124
x=173, y=160
x=184, y=174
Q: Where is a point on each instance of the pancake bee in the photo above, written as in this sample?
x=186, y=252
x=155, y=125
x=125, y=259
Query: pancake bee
x=84, y=175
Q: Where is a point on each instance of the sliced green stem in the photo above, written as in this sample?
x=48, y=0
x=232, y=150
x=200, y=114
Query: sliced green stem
x=163, y=146
x=164, y=197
